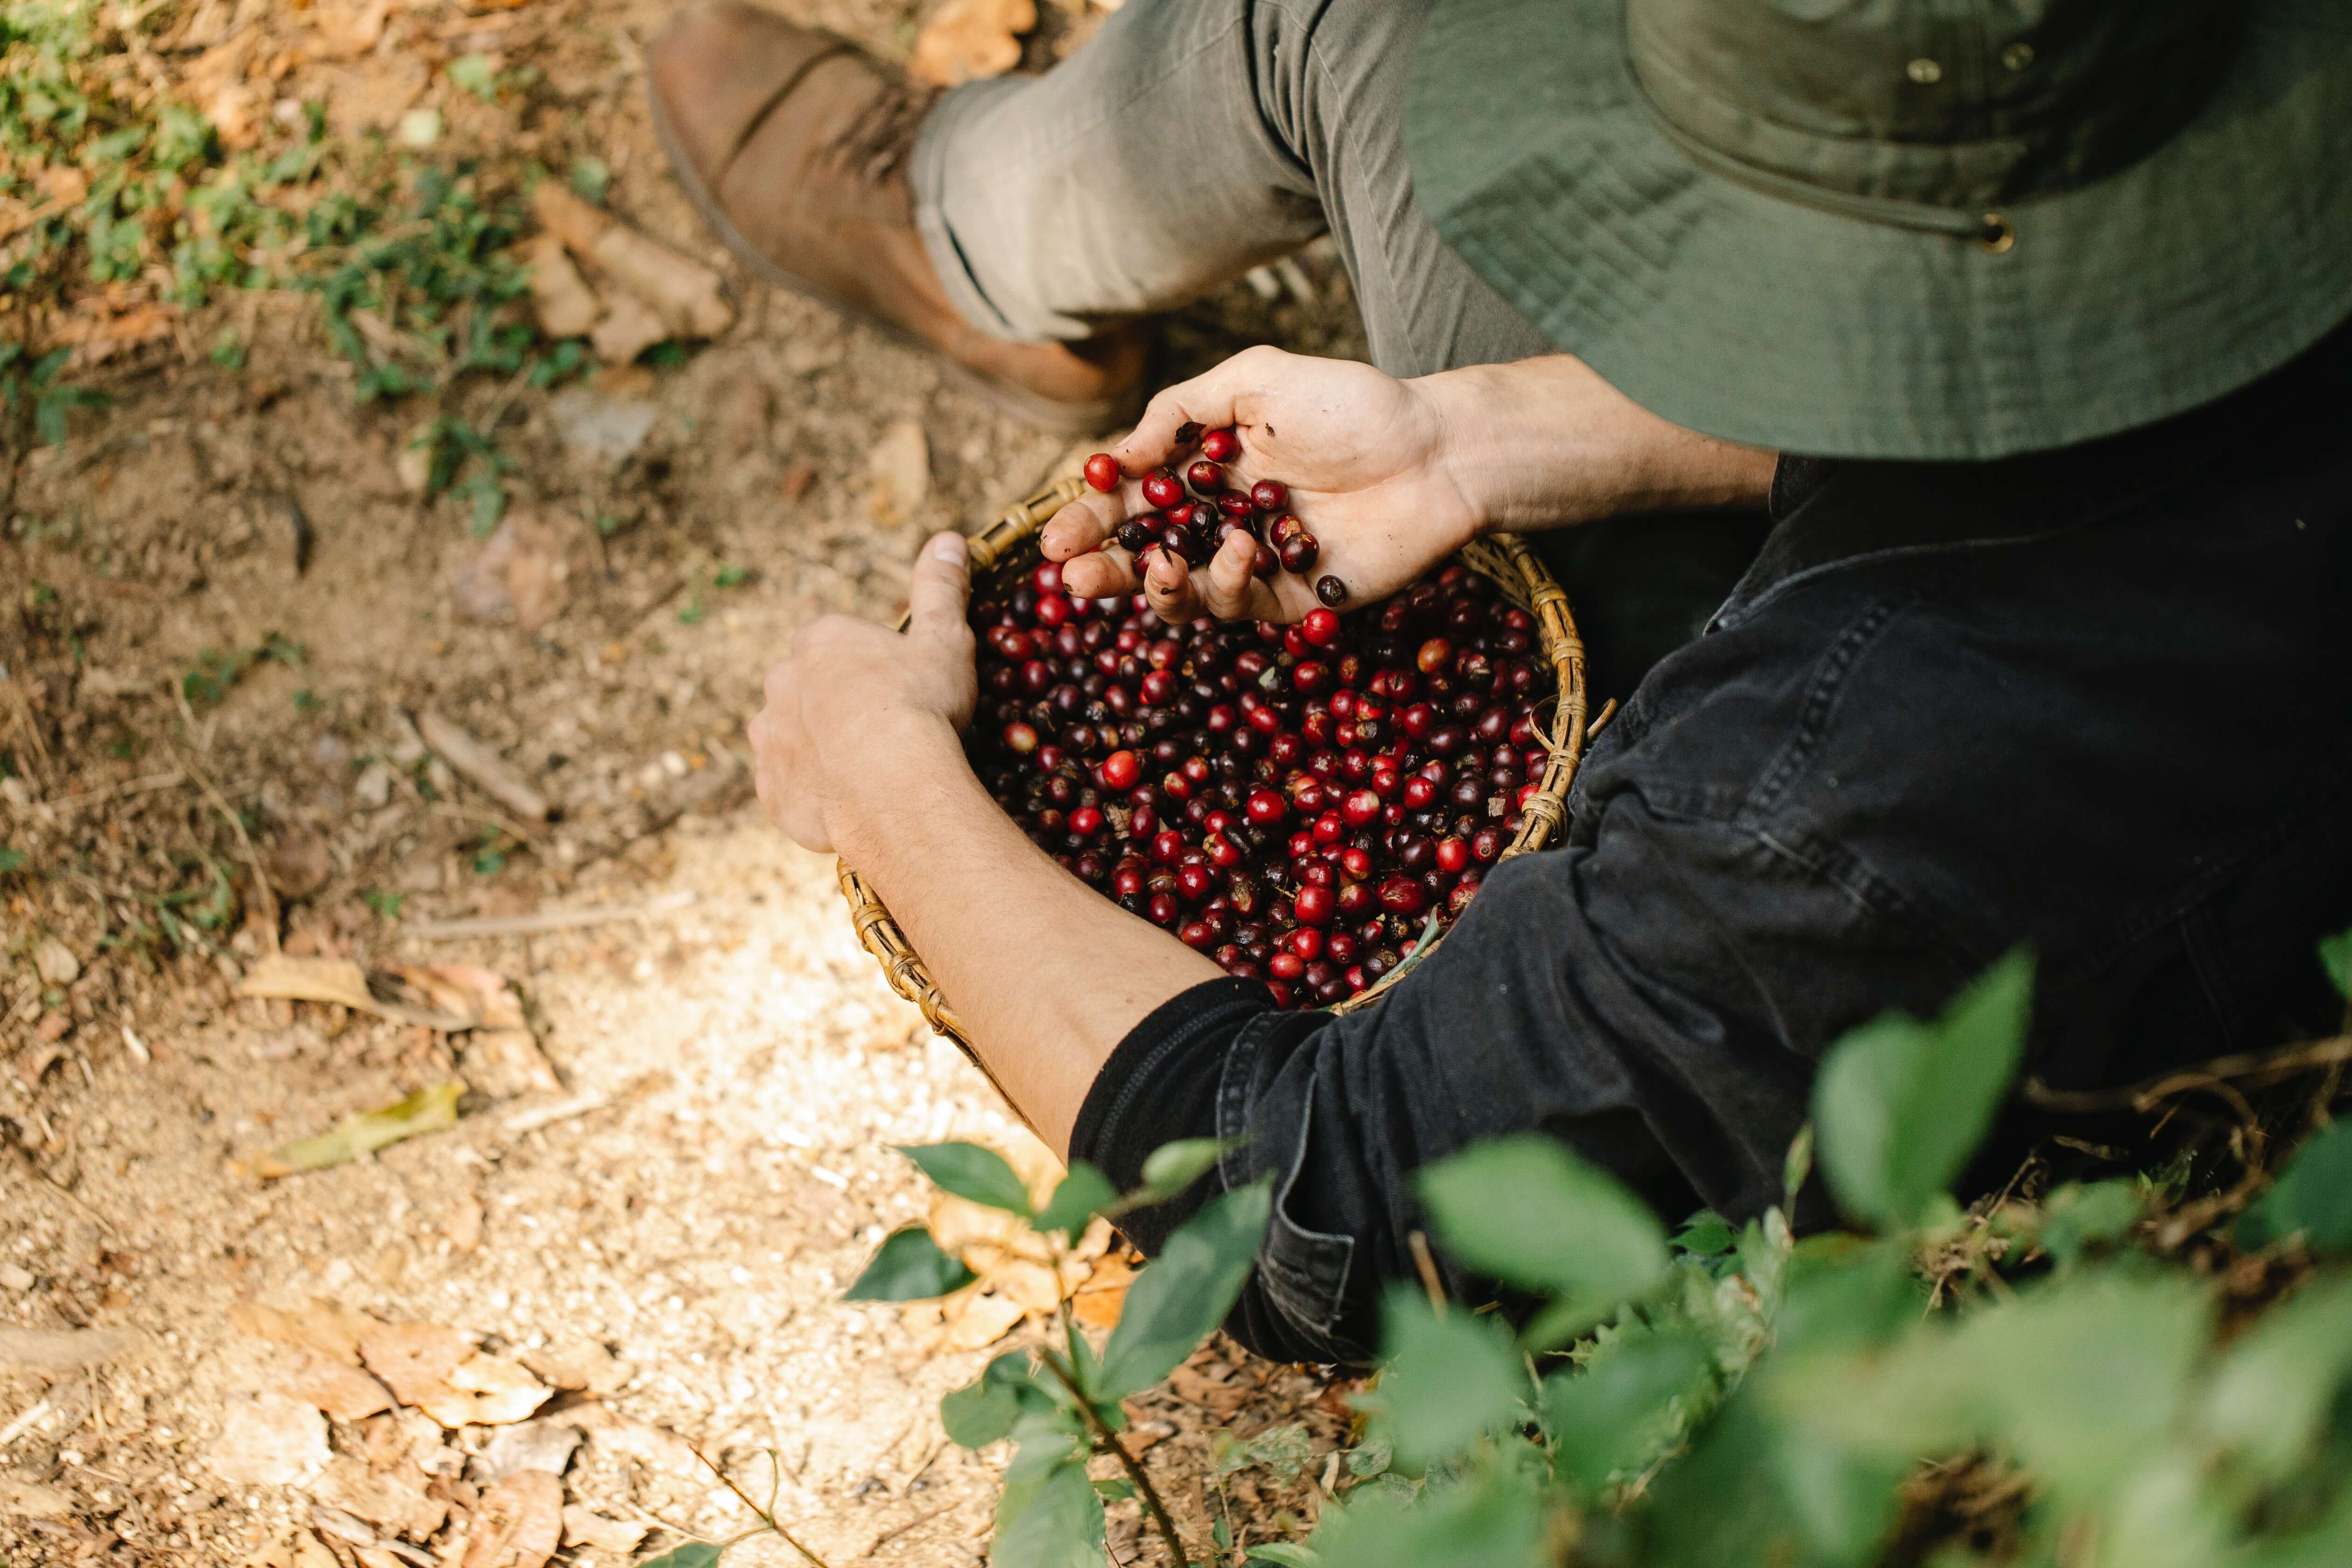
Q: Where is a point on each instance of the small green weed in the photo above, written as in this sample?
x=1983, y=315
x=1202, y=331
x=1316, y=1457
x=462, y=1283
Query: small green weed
x=37, y=384
x=214, y=675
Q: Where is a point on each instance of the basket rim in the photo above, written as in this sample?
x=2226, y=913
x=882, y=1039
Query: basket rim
x=1504, y=557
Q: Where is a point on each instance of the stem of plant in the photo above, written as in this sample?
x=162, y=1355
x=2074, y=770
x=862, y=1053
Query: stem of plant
x=1105, y=1439
x=763, y=1514
x=1107, y=1442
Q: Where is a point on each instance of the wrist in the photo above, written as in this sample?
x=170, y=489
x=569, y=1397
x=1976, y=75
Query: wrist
x=1469, y=458
x=1545, y=443
x=882, y=769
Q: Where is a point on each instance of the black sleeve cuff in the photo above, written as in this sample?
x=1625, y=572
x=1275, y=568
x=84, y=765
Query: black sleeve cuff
x=1161, y=1085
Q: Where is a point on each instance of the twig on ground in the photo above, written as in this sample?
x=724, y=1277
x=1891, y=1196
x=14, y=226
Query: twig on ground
x=1426, y=1267
x=899, y=1529
x=129, y=786
x=497, y=819
x=543, y=922
x=481, y=766
x=2259, y=1068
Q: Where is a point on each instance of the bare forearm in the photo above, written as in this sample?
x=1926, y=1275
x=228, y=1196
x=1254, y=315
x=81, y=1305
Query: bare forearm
x=1545, y=443
x=1045, y=975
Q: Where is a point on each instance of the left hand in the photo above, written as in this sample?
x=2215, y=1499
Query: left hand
x=844, y=707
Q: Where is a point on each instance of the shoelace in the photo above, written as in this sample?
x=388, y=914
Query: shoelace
x=882, y=135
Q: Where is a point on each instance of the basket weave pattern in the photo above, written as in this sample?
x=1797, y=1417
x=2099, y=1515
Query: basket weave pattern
x=1011, y=542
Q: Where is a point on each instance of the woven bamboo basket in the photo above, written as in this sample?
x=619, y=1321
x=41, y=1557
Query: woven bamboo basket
x=1010, y=543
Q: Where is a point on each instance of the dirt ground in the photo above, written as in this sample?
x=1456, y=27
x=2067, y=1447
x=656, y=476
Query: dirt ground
x=642, y=1218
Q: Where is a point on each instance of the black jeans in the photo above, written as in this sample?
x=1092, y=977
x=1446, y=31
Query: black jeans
x=2098, y=701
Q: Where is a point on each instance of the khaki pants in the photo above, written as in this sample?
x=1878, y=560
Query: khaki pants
x=1192, y=140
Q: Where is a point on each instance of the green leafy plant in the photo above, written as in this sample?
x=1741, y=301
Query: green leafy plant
x=36, y=385
x=1060, y=1402
x=466, y=463
x=208, y=682
x=1735, y=1395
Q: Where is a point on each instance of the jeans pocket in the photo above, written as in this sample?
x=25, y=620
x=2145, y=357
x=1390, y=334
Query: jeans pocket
x=1302, y=1272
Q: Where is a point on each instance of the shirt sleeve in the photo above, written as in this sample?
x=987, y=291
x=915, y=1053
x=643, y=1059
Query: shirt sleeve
x=1594, y=993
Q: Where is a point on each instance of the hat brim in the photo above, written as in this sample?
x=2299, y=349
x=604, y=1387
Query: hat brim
x=2219, y=257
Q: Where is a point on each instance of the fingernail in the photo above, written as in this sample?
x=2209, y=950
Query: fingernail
x=948, y=547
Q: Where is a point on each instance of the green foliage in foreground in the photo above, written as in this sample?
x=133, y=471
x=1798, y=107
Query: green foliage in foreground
x=1731, y=1398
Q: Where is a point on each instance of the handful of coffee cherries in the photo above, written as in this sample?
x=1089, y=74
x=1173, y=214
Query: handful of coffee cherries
x=1192, y=526
x=1308, y=804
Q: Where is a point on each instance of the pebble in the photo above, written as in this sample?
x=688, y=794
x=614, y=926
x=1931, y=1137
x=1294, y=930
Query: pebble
x=596, y=426
x=57, y=963
x=14, y=1278
x=373, y=788
x=900, y=463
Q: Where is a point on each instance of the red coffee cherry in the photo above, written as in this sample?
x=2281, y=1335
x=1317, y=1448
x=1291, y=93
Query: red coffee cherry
x=1102, y=471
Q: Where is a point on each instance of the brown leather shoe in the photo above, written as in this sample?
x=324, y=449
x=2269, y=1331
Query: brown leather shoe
x=795, y=145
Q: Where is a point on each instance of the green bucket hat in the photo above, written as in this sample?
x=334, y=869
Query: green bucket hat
x=1899, y=228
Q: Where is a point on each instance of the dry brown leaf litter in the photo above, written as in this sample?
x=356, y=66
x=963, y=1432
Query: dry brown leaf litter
x=658, y=1239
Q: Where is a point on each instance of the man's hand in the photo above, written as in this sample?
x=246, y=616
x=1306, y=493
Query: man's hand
x=1363, y=456
x=853, y=699
x=1393, y=476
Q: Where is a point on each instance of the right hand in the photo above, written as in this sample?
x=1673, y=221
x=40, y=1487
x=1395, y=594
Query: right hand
x=1361, y=452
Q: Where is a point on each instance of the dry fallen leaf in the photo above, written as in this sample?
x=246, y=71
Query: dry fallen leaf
x=331, y=1330
x=414, y=1359
x=566, y=305
x=282, y=976
x=394, y=1499
x=337, y=1390
x=968, y=39
x=519, y=1524
x=578, y=1364
x=438, y=1370
x=427, y=1110
x=1211, y=1387
x=503, y=1063
x=969, y=1320
x=350, y=31
x=1098, y=1302
x=468, y=990
x=485, y=1391
x=269, y=1441
x=339, y=981
x=628, y=330
x=546, y=1445
x=682, y=292
x=584, y=1528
